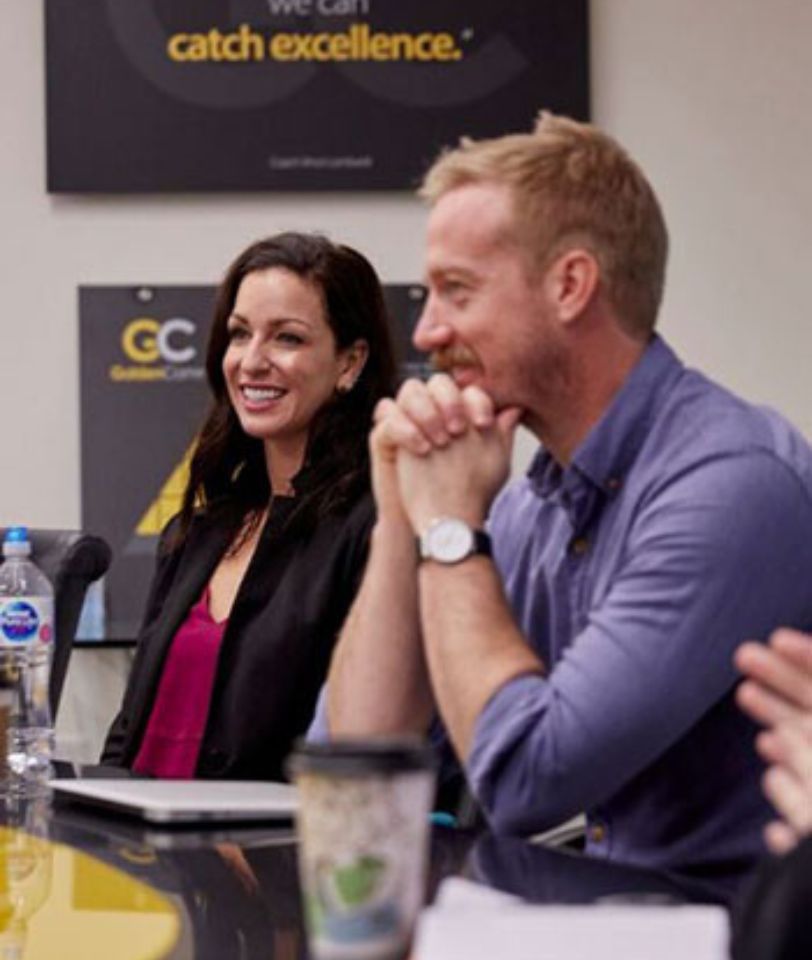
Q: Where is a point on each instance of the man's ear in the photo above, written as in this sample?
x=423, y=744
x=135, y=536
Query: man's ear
x=572, y=282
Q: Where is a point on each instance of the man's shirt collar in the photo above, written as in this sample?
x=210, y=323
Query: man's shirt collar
x=600, y=464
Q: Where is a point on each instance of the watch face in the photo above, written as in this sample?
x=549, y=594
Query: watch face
x=448, y=541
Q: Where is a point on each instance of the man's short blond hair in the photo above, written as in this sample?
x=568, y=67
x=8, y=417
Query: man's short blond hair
x=573, y=185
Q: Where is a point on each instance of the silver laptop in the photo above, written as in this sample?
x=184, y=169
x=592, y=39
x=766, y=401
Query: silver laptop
x=184, y=801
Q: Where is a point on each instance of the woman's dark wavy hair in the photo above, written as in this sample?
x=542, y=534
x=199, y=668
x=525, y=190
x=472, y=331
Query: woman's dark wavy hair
x=228, y=474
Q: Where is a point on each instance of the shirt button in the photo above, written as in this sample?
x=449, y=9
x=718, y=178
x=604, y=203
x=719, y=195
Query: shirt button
x=613, y=484
x=579, y=546
x=597, y=832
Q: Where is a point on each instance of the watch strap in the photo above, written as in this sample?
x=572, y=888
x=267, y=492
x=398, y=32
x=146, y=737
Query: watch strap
x=482, y=544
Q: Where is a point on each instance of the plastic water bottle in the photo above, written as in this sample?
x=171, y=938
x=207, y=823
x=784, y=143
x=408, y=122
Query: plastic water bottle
x=26, y=644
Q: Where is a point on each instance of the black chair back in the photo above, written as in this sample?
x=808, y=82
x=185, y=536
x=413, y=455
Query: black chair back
x=71, y=560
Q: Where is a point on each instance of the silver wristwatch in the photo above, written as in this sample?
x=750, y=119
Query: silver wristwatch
x=449, y=540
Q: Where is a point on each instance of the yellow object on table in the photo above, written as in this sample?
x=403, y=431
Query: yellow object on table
x=56, y=902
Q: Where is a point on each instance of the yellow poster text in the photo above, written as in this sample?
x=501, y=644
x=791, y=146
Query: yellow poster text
x=239, y=46
x=358, y=43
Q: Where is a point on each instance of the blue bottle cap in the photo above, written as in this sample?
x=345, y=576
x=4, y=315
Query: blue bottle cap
x=17, y=534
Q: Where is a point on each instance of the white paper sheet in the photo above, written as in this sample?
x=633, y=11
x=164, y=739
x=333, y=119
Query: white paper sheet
x=471, y=922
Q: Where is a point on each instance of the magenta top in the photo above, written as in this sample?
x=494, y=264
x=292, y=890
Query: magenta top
x=171, y=742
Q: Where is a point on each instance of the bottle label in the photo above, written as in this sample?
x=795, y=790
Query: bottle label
x=26, y=619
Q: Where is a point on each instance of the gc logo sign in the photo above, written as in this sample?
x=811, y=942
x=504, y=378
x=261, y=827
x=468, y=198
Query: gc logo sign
x=145, y=340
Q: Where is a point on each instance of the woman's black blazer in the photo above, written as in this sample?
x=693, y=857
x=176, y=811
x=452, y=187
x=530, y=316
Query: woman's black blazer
x=276, y=647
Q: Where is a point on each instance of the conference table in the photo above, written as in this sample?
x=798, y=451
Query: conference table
x=224, y=892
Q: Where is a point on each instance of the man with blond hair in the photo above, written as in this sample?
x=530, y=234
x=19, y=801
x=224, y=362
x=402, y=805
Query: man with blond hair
x=578, y=651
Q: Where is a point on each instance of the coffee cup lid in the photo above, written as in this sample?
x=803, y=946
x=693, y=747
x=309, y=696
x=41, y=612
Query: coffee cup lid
x=348, y=757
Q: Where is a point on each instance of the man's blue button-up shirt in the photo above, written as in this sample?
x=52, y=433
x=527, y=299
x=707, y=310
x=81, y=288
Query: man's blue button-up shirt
x=682, y=526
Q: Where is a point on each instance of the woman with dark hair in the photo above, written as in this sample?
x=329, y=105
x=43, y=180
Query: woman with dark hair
x=258, y=570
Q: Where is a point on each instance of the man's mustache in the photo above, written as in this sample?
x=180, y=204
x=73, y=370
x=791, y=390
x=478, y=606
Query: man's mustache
x=444, y=360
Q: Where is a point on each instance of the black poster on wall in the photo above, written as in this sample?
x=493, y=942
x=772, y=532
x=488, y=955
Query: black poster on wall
x=143, y=399
x=199, y=95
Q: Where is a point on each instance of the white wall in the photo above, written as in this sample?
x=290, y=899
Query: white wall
x=714, y=101
x=712, y=98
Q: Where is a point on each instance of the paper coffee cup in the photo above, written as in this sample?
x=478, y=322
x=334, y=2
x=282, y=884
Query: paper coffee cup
x=363, y=825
